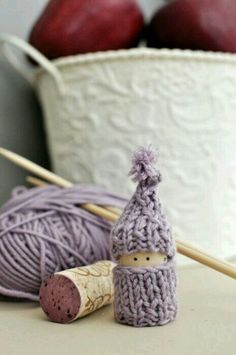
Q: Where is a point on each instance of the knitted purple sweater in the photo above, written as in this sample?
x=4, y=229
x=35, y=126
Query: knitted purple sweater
x=144, y=296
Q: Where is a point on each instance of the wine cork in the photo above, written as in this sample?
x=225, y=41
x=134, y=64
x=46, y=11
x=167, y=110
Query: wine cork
x=74, y=293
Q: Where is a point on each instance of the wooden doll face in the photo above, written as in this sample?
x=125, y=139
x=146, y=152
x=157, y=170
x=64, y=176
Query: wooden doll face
x=143, y=259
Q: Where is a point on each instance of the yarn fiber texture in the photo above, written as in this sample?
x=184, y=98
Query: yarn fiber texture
x=145, y=296
x=43, y=231
x=143, y=226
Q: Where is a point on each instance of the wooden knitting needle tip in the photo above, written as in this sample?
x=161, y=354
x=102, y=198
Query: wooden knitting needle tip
x=206, y=259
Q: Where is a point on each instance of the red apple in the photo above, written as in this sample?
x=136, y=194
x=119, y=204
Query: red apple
x=68, y=27
x=195, y=24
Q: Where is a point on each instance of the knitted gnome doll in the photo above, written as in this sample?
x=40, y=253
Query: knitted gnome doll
x=142, y=244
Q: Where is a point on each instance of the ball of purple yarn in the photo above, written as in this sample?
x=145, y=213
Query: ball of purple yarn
x=43, y=230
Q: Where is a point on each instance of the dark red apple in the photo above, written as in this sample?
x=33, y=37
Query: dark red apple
x=68, y=27
x=195, y=24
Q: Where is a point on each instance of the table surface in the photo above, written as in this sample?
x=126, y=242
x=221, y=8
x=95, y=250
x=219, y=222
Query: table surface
x=206, y=325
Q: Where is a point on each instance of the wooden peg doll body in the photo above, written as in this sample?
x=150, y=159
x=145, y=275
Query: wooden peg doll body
x=145, y=277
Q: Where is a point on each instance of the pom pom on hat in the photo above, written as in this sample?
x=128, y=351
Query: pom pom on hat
x=143, y=226
x=143, y=168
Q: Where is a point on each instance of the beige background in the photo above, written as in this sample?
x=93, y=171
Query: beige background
x=206, y=325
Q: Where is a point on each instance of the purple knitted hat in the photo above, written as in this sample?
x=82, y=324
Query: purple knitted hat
x=142, y=226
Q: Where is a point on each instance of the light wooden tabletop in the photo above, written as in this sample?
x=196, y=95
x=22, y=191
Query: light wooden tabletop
x=206, y=325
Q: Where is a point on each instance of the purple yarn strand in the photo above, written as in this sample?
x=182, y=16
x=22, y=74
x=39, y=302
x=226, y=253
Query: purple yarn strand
x=43, y=231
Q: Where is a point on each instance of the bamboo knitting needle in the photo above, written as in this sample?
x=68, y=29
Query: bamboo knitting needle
x=40, y=183
x=182, y=247
x=54, y=179
x=206, y=259
x=35, y=181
